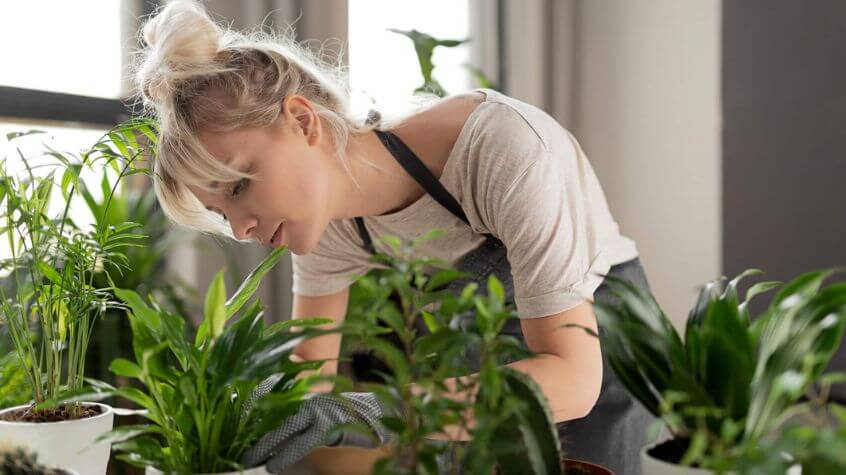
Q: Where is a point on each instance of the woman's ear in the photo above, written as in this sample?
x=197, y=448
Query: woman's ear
x=301, y=114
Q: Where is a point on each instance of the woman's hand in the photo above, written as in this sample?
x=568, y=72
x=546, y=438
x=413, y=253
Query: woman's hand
x=313, y=425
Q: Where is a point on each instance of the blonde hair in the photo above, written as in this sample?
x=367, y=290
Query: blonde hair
x=196, y=75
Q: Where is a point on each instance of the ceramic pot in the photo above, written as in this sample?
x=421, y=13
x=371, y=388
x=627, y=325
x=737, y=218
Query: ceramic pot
x=65, y=444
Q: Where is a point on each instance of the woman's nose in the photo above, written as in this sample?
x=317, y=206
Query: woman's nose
x=243, y=227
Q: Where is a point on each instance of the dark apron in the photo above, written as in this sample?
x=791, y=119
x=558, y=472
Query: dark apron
x=615, y=430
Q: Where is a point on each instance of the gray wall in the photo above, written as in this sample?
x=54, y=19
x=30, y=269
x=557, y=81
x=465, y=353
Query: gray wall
x=784, y=137
x=646, y=110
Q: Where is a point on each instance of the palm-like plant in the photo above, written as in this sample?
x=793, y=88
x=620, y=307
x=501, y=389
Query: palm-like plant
x=49, y=301
x=199, y=396
x=133, y=202
x=733, y=378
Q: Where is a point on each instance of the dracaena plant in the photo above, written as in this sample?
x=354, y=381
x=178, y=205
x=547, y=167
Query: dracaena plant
x=48, y=297
x=811, y=436
x=511, y=427
x=198, y=395
x=732, y=377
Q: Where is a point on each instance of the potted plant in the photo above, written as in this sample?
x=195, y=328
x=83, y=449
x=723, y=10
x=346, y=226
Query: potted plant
x=47, y=299
x=730, y=380
x=450, y=418
x=198, y=394
x=810, y=441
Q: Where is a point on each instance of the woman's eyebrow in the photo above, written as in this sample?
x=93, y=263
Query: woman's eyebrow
x=225, y=161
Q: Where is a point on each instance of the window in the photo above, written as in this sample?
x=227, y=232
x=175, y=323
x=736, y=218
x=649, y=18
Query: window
x=62, y=73
x=63, y=139
x=383, y=64
x=70, y=47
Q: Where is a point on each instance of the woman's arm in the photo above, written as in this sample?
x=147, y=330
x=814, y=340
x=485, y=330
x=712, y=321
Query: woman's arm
x=567, y=366
x=334, y=307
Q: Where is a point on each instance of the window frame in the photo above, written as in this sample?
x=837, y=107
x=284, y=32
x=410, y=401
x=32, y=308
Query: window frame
x=19, y=104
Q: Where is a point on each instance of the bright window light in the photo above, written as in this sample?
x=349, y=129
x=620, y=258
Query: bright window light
x=62, y=46
x=63, y=139
x=383, y=64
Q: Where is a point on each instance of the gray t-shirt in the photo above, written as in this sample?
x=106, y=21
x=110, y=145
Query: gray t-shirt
x=519, y=175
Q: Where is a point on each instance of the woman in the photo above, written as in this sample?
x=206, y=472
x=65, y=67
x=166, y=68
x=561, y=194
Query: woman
x=257, y=143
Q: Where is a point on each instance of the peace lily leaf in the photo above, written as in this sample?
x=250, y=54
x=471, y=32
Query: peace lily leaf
x=122, y=367
x=251, y=283
x=215, y=310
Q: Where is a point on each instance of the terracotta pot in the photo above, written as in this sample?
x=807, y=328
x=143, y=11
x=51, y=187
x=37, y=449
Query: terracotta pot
x=580, y=467
x=66, y=444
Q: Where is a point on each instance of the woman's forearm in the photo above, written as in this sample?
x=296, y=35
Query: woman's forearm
x=570, y=387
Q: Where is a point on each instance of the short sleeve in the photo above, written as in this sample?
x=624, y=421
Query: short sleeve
x=331, y=267
x=536, y=206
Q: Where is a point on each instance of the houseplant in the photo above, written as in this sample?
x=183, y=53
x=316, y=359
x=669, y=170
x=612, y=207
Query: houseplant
x=811, y=439
x=428, y=375
x=198, y=395
x=135, y=202
x=48, y=300
x=728, y=383
x=424, y=47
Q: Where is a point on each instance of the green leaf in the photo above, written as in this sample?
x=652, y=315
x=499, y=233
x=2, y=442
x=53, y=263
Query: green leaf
x=215, y=306
x=443, y=277
x=495, y=289
x=50, y=273
x=394, y=242
x=15, y=135
x=147, y=316
x=124, y=433
x=431, y=321
x=136, y=396
x=123, y=367
x=69, y=177
x=428, y=236
x=251, y=283
x=538, y=432
x=143, y=450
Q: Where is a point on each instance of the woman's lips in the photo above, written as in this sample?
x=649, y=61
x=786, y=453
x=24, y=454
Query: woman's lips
x=276, y=240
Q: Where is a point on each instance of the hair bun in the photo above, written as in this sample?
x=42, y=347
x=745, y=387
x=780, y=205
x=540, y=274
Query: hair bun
x=182, y=41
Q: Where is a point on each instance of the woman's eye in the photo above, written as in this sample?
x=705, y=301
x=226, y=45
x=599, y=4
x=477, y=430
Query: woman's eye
x=239, y=187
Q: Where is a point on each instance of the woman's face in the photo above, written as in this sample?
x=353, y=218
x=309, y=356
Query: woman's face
x=288, y=201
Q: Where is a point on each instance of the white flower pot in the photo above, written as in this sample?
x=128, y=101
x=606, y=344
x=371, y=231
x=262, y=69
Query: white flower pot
x=65, y=444
x=249, y=471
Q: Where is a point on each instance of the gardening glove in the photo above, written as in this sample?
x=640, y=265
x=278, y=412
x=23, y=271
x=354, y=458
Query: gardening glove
x=312, y=425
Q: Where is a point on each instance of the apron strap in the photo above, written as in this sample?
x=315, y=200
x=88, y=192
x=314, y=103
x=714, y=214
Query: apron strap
x=424, y=177
x=365, y=236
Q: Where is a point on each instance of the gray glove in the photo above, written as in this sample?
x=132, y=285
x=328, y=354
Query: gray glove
x=312, y=425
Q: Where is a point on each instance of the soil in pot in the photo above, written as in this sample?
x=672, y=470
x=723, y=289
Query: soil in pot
x=670, y=451
x=56, y=414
